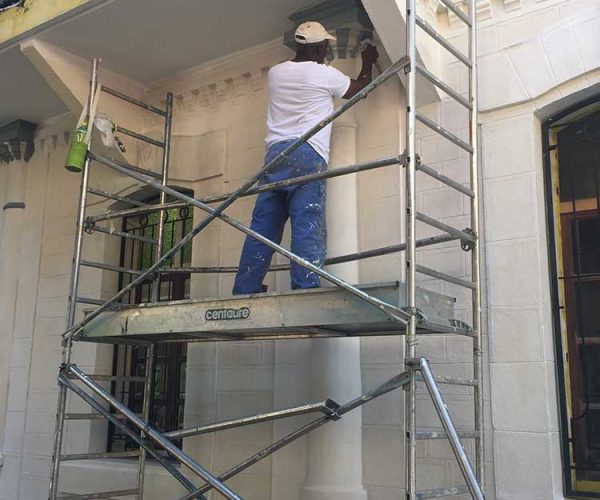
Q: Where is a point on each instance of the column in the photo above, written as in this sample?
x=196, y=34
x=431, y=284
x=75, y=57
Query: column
x=10, y=239
x=335, y=450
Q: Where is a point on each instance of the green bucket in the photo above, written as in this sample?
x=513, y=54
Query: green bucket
x=77, y=150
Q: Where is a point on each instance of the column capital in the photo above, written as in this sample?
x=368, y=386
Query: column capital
x=16, y=141
x=347, y=18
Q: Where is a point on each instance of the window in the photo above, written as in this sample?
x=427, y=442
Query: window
x=572, y=153
x=168, y=385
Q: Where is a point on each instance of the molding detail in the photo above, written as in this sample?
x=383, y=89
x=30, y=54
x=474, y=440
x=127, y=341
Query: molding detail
x=231, y=88
x=17, y=141
x=13, y=204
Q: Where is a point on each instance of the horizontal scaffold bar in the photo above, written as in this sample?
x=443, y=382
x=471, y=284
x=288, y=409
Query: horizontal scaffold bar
x=393, y=383
x=122, y=234
x=335, y=172
x=133, y=100
x=109, y=267
x=90, y=301
x=135, y=168
x=366, y=254
x=116, y=197
x=116, y=420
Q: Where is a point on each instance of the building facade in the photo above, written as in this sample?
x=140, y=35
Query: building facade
x=539, y=84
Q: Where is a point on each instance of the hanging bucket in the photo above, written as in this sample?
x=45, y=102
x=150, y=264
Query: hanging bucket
x=77, y=149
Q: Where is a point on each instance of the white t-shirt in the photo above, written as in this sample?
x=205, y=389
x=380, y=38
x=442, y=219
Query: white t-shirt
x=301, y=94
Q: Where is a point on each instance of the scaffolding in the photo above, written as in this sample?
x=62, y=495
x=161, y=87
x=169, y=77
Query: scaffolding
x=358, y=310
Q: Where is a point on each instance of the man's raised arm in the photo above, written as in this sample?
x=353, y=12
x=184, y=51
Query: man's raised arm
x=369, y=56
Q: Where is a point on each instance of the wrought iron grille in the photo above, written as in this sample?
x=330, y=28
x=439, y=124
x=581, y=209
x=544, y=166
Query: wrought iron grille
x=168, y=386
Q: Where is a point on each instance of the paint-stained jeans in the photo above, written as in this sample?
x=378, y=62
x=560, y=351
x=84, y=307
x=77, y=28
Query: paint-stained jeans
x=304, y=204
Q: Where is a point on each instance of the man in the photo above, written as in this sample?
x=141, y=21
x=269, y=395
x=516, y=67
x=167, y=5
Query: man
x=301, y=94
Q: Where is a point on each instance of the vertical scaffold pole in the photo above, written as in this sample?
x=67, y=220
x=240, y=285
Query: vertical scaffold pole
x=475, y=257
x=149, y=374
x=411, y=252
x=72, y=304
x=163, y=195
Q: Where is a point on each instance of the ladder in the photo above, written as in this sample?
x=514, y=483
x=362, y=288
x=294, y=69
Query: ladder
x=414, y=164
x=416, y=370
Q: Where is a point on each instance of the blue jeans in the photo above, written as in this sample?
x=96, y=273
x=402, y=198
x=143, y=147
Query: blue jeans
x=304, y=204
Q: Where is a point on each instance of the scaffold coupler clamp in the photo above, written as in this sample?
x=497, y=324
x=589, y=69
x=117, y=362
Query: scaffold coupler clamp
x=413, y=363
x=89, y=226
x=331, y=409
x=416, y=312
x=63, y=369
x=457, y=323
x=468, y=245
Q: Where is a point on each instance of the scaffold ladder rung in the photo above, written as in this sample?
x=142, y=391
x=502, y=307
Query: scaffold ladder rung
x=462, y=235
x=437, y=128
x=110, y=378
x=446, y=277
x=443, y=86
x=442, y=434
x=442, y=492
x=431, y=172
x=90, y=301
x=99, y=495
x=140, y=137
x=430, y=30
x=133, y=100
x=98, y=456
x=88, y=416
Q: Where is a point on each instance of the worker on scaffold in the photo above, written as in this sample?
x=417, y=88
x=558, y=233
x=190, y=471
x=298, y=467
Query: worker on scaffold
x=301, y=94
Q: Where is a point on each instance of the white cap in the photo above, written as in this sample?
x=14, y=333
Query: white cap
x=312, y=32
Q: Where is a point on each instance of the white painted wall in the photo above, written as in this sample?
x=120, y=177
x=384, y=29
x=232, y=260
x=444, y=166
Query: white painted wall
x=218, y=132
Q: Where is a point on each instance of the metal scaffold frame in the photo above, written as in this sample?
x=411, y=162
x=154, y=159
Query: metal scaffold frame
x=416, y=369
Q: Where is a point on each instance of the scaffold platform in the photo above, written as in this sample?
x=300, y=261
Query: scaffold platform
x=318, y=312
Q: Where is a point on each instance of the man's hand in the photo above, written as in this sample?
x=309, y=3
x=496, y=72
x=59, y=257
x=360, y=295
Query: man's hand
x=369, y=57
x=369, y=54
